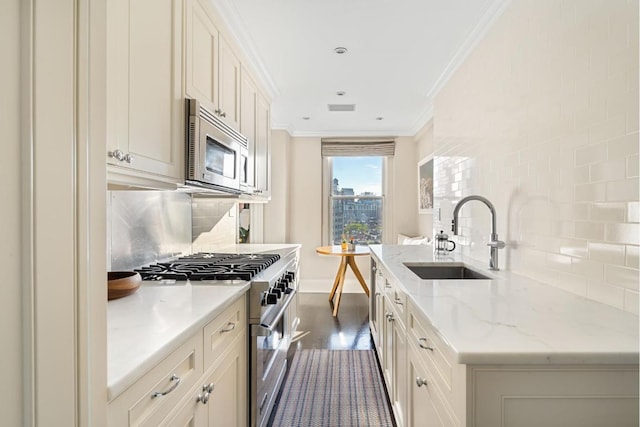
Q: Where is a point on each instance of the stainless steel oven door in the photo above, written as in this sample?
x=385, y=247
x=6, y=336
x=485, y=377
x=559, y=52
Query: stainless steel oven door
x=220, y=156
x=269, y=344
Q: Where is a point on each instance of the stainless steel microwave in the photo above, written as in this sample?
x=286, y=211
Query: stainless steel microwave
x=216, y=153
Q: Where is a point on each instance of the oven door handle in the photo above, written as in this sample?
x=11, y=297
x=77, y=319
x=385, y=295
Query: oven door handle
x=266, y=326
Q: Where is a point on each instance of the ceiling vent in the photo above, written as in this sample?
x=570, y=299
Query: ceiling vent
x=342, y=107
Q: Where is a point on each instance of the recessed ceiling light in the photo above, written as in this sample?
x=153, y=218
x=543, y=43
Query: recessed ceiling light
x=340, y=50
x=341, y=93
x=306, y=118
x=379, y=118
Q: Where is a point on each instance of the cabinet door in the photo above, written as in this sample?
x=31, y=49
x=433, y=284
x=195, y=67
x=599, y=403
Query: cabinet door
x=229, y=85
x=145, y=110
x=399, y=393
x=263, y=149
x=423, y=399
x=248, y=110
x=227, y=403
x=202, y=56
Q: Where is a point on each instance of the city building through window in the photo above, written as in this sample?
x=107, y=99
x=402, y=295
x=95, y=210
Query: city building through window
x=356, y=200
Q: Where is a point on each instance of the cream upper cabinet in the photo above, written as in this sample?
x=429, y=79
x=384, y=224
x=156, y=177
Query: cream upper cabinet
x=201, y=71
x=229, y=85
x=248, y=111
x=212, y=68
x=262, y=157
x=145, y=108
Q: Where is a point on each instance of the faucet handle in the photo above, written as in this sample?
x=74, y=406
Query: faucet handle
x=497, y=244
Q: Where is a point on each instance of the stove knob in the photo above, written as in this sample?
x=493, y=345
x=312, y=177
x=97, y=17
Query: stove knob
x=282, y=285
x=272, y=298
x=290, y=276
x=277, y=292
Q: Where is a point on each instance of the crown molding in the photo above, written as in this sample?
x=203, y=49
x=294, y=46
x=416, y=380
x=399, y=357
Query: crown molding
x=229, y=15
x=493, y=12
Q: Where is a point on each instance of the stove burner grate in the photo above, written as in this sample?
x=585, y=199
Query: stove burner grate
x=209, y=266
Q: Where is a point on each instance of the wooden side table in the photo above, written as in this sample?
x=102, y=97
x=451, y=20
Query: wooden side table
x=346, y=258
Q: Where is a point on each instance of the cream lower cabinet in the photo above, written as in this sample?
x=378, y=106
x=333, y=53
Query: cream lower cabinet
x=145, y=107
x=444, y=393
x=201, y=383
x=394, y=348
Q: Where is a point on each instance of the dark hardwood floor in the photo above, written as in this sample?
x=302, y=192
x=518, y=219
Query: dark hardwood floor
x=349, y=330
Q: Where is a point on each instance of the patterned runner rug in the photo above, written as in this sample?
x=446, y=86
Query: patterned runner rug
x=333, y=388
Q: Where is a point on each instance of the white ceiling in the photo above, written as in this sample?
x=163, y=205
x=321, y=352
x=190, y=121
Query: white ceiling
x=400, y=52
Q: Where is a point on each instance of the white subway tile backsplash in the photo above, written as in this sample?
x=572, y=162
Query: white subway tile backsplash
x=623, y=190
x=591, y=154
x=633, y=212
x=546, y=128
x=591, y=192
x=607, y=253
x=633, y=166
x=633, y=257
x=631, y=301
x=608, y=294
x=622, y=276
x=623, y=233
x=608, y=171
x=623, y=146
x=607, y=212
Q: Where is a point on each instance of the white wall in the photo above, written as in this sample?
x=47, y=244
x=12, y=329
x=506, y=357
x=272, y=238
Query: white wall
x=542, y=118
x=276, y=212
x=424, y=147
x=10, y=257
x=305, y=210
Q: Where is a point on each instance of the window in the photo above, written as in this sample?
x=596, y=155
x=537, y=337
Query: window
x=355, y=205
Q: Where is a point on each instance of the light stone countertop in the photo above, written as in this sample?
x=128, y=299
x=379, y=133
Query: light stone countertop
x=145, y=327
x=512, y=319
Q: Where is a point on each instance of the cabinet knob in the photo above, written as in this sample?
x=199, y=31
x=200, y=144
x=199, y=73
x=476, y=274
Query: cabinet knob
x=208, y=388
x=390, y=317
x=173, y=378
x=117, y=154
x=223, y=114
x=420, y=382
x=128, y=158
x=398, y=301
x=203, y=398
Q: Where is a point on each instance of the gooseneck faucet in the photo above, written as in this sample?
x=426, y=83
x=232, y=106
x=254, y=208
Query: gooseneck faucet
x=494, y=243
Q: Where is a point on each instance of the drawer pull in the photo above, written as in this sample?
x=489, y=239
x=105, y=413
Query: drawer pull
x=425, y=346
x=175, y=378
x=420, y=382
x=390, y=317
x=398, y=301
x=230, y=327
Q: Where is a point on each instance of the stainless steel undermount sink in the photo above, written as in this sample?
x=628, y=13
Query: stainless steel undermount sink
x=442, y=271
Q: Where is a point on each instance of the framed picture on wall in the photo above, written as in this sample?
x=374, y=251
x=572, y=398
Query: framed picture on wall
x=425, y=185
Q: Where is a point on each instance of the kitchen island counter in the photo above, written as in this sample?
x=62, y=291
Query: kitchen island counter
x=512, y=319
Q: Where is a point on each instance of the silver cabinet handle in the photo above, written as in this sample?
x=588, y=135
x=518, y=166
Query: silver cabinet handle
x=420, y=382
x=425, y=345
x=117, y=154
x=128, y=158
x=387, y=285
x=207, y=389
x=173, y=378
x=398, y=301
x=223, y=114
x=374, y=268
x=203, y=398
x=390, y=317
x=230, y=327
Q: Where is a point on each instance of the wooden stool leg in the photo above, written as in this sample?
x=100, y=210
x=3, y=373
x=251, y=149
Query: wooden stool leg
x=339, y=292
x=342, y=269
x=352, y=263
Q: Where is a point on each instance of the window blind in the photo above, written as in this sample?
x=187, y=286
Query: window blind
x=333, y=147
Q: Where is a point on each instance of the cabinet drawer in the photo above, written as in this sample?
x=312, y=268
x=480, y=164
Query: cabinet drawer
x=151, y=398
x=221, y=331
x=397, y=301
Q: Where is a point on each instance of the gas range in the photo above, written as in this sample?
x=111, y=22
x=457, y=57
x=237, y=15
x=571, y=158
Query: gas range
x=209, y=266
